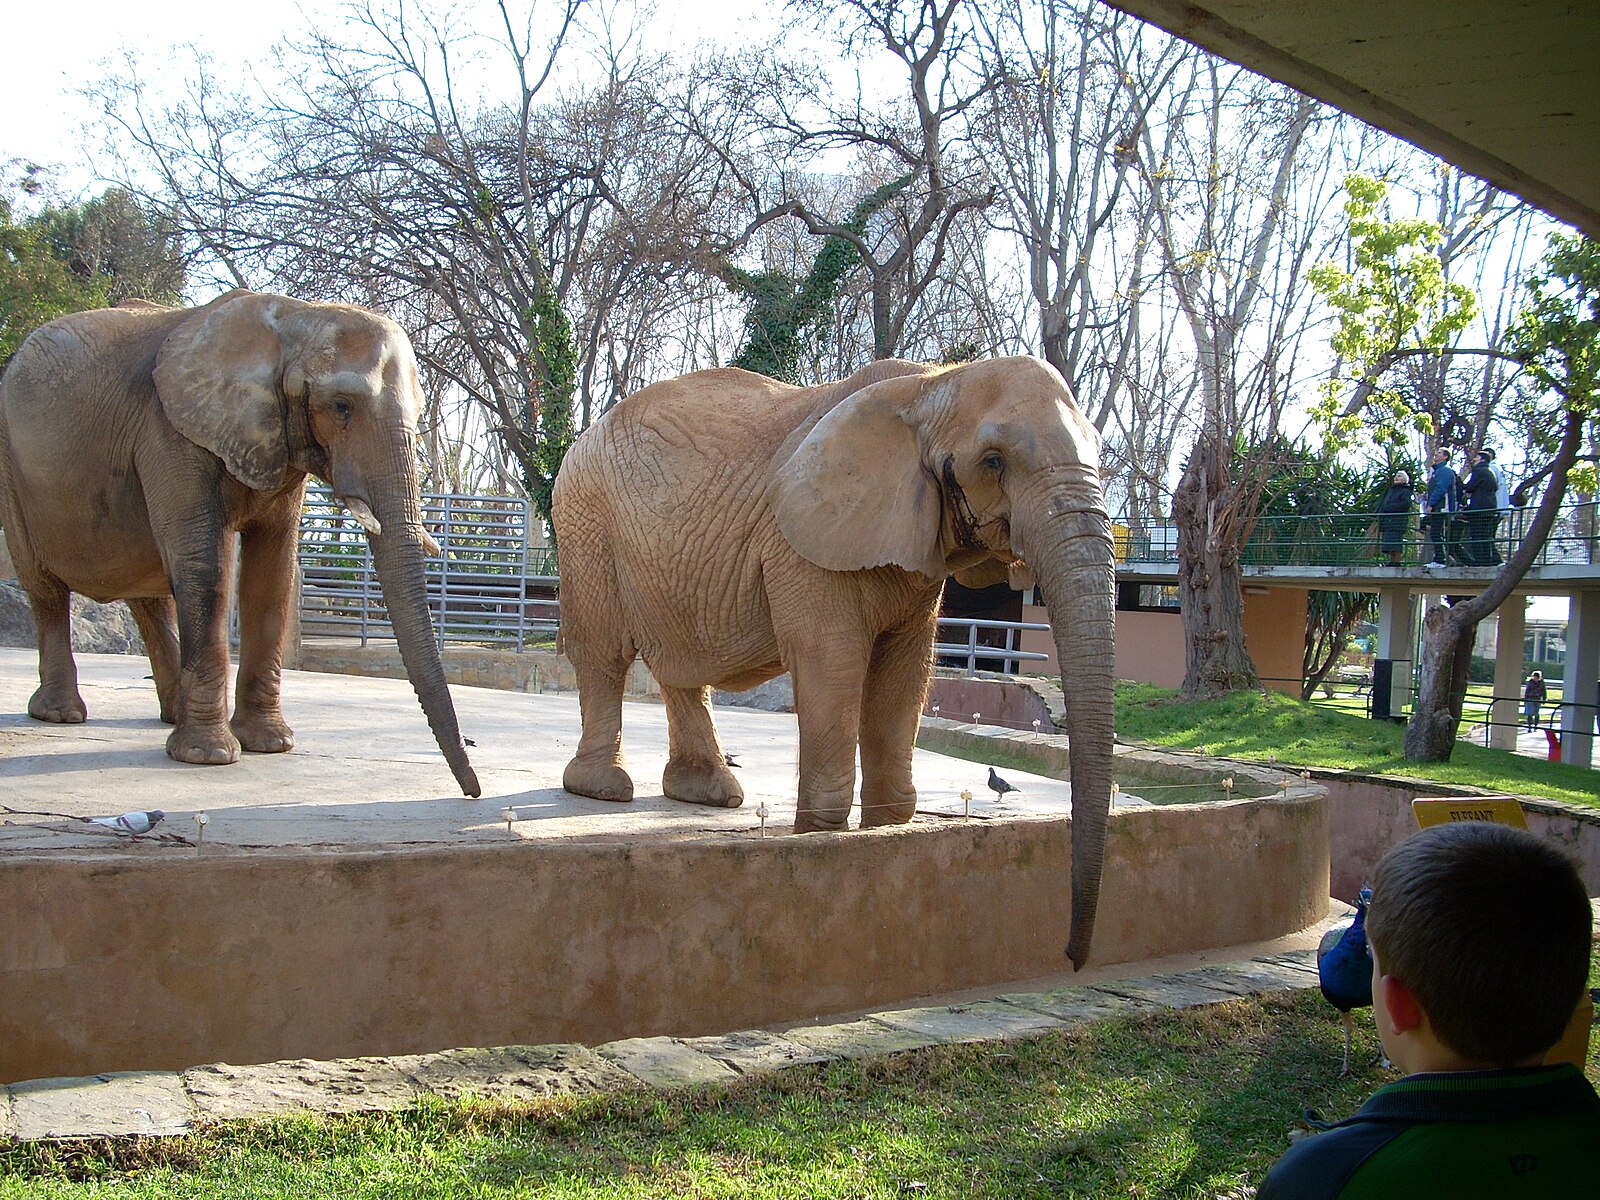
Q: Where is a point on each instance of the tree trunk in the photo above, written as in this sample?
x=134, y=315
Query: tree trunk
x=1210, y=585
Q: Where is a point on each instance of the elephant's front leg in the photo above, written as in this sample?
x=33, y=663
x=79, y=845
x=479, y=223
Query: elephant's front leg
x=891, y=707
x=200, y=568
x=266, y=589
x=696, y=770
x=827, y=700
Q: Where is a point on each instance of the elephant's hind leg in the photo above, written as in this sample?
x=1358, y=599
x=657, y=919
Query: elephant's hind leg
x=596, y=770
x=57, y=699
x=158, y=626
x=697, y=772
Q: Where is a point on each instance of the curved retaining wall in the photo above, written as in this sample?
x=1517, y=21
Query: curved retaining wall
x=135, y=964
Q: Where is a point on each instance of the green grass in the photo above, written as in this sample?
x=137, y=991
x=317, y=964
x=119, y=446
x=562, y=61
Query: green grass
x=1196, y=1103
x=1253, y=725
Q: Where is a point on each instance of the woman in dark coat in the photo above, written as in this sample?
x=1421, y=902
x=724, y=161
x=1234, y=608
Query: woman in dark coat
x=1394, y=510
x=1480, y=492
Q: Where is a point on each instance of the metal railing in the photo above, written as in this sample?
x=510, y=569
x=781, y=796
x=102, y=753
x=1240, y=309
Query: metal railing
x=1352, y=539
x=1005, y=658
x=485, y=588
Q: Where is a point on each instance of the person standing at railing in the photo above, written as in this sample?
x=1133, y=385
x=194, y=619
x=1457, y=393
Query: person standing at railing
x=1481, y=499
x=1439, y=506
x=1393, y=511
x=1533, y=695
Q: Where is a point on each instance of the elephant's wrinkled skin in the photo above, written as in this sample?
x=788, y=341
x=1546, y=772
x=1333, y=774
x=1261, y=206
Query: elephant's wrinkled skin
x=136, y=441
x=727, y=527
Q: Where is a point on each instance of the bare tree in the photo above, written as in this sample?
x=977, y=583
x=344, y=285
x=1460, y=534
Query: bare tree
x=1238, y=218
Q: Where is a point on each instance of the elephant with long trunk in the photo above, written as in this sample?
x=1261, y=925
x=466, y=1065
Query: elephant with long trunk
x=136, y=441
x=727, y=527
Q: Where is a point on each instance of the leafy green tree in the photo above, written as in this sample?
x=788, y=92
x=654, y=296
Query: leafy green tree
x=1393, y=303
x=112, y=239
x=35, y=285
x=1557, y=340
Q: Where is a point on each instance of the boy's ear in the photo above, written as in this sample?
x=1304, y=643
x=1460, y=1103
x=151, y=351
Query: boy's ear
x=1405, y=1014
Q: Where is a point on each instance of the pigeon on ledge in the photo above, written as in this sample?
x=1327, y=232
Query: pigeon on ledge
x=131, y=823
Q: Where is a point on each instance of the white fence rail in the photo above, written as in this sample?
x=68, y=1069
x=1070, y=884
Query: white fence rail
x=1006, y=658
x=480, y=589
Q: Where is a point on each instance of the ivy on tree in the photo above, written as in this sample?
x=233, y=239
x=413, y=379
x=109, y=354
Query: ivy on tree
x=785, y=316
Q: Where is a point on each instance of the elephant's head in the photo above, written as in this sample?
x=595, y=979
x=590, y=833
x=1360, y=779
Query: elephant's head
x=276, y=388
x=965, y=470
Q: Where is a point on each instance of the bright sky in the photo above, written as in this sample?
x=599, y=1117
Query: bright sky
x=50, y=51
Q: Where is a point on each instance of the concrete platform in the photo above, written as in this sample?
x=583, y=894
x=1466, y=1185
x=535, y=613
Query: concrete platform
x=365, y=772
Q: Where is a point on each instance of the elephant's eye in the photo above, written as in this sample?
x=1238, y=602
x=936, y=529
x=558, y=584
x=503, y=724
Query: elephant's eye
x=994, y=462
x=341, y=409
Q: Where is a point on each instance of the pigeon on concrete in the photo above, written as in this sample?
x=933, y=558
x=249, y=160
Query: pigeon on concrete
x=131, y=823
x=999, y=786
x=728, y=758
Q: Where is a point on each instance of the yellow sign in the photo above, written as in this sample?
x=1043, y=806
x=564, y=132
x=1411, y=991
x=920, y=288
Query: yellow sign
x=1436, y=810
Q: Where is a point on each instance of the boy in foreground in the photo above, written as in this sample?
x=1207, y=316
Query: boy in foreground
x=1480, y=943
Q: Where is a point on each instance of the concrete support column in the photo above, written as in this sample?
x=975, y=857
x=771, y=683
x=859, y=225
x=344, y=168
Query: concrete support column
x=1505, y=714
x=1582, y=671
x=1397, y=642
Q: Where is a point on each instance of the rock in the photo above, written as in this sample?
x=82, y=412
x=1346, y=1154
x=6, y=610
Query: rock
x=96, y=628
x=775, y=695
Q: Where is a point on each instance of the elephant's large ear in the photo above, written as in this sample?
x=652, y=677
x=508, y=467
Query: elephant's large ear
x=854, y=494
x=217, y=376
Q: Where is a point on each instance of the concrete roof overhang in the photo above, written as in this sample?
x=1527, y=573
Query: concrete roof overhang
x=1504, y=89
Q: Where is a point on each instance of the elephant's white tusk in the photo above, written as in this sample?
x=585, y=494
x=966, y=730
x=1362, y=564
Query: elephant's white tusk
x=431, y=546
x=362, y=514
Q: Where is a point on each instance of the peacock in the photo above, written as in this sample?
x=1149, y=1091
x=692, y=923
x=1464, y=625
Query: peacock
x=1344, y=968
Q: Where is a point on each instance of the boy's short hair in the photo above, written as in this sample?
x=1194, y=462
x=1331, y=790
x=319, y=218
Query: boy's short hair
x=1489, y=928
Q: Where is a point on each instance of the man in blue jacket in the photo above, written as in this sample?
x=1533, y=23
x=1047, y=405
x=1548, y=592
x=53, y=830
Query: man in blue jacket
x=1439, y=506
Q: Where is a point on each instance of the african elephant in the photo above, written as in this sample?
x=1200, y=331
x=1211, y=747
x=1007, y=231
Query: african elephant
x=136, y=441
x=728, y=527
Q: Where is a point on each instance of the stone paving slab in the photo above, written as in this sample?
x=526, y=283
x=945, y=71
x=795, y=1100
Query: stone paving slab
x=1304, y=961
x=146, y=1103
x=224, y=1092
x=512, y=1072
x=755, y=1051
x=666, y=1062
x=982, y=1021
x=1252, y=978
x=1168, y=991
x=1079, y=1003
x=859, y=1039
x=118, y=1104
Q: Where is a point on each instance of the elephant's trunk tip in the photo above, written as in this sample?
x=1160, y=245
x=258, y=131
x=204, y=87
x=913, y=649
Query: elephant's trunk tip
x=466, y=777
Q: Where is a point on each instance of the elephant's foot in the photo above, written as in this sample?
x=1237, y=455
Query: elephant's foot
x=204, y=745
x=889, y=809
x=263, y=733
x=61, y=706
x=702, y=783
x=821, y=821
x=598, y=781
